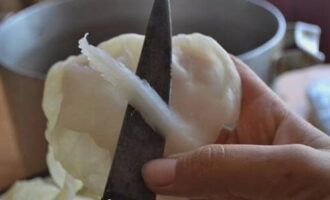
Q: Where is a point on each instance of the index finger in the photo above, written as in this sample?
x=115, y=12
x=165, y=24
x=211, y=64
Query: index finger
x=265, y=119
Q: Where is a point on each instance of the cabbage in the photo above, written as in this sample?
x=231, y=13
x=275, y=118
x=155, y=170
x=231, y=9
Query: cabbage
x=85, y=99
x=41, y=189
x=32, y=190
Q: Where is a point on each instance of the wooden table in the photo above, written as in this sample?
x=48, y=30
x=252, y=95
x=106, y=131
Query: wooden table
x=11, y=166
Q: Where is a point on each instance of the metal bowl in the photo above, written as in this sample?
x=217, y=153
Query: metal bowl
x=37, y=37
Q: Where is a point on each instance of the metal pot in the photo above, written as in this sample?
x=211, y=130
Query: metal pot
x=37, y=37
x=33, y=39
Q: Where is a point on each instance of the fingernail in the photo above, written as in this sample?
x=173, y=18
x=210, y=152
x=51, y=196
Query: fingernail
x=159, y=173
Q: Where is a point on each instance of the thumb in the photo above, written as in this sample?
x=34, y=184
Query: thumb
x=231, y=171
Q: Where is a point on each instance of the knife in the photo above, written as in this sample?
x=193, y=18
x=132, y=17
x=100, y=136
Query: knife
x=138, y=143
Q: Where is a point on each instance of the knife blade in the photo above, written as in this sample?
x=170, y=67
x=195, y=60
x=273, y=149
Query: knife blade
x=138, y=143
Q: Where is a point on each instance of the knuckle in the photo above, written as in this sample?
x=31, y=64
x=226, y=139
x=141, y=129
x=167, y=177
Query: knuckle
x=308, y=170
x=299, y=148
x=304, y=165
x=295, y=168
x=203, y=162
x=302, y=155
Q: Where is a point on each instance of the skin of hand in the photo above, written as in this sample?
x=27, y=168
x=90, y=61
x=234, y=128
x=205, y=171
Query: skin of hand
x=271, y=154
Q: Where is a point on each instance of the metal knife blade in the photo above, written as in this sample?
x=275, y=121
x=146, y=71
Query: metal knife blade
x=138, y=143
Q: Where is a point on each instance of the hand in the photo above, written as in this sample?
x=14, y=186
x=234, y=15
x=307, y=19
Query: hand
x=272, y=154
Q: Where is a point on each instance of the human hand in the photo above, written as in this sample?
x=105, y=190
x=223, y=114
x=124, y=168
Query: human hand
x=271, y=154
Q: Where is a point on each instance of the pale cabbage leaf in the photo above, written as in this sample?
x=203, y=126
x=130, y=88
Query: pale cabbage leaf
x=85, y=101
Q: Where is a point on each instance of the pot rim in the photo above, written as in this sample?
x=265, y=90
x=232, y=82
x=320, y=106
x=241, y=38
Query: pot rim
x=276, y=39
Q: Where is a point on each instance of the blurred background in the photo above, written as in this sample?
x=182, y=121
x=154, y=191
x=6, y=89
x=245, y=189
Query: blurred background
x=299, y=74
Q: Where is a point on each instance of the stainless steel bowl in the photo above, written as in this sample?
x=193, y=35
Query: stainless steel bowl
x=33, y=39
x=37, y=37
